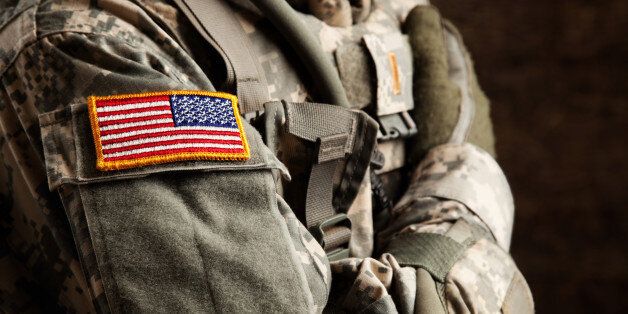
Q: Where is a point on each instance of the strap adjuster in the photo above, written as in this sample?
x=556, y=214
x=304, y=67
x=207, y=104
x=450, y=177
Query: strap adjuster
x=396, y=125
x=251, y=115
x=333, y=234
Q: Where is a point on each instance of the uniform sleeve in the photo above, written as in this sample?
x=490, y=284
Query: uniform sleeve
x=445, y=248
x=191, y=236
x=447, y=245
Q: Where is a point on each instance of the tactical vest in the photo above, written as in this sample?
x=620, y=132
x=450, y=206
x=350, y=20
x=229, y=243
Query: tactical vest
x=352, y=124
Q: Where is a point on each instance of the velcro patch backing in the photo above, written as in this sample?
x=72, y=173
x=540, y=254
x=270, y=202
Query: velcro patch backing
x=151, y=128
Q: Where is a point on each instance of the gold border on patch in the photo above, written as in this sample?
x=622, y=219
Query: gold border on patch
x=103, y=165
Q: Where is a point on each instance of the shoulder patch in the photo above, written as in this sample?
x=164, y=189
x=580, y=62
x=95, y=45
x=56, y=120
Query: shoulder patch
x=136, y=130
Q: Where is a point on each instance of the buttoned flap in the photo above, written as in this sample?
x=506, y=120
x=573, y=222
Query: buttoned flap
x=71, y=155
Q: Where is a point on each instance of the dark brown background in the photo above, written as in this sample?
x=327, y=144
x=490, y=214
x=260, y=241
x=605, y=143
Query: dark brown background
x=557, y=74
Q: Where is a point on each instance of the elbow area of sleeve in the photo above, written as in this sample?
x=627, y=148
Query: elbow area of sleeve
x=469, y=175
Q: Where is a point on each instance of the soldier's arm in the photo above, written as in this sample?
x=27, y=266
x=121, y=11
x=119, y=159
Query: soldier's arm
x=446, y=246
x=182, y=236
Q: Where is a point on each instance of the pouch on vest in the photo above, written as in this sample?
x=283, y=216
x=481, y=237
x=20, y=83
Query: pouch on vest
x=193, y=236
x=328, y=150
x=377, y=74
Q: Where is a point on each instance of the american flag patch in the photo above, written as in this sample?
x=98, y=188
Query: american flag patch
x=144, y=129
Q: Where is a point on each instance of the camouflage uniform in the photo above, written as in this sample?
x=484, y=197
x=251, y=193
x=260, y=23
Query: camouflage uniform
x=54, y=54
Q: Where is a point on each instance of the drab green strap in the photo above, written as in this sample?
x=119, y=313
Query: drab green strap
x=215, y=21
x=433, y=252
x=320, y=193
x=332, y=129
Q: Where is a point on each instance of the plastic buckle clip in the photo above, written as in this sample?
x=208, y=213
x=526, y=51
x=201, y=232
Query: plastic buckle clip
x=318, y=231
x=397, y=125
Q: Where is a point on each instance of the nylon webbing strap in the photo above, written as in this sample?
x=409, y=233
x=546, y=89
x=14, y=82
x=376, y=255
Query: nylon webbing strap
x=342, y=137
x=216, y=22
x=435, y=253
x=336, y=237
x=320, y=193
x=331, y=128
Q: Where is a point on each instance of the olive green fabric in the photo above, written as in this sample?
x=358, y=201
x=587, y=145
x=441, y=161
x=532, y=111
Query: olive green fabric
x=193, y=242
x=357, y=76
x=481, y=130
x=437, y=97
x=191, y=236
x=433, y=252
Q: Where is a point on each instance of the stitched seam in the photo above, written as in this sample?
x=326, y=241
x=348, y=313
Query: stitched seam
x=26, y=43
x=203, y=264
x=296, y=265
x=106, y=265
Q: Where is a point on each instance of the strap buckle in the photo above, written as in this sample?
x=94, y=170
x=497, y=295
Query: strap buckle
x=333, y=234
x=397, y=125
x=252, y=115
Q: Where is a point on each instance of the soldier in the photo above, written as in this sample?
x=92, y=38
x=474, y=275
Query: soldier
x=203, y=156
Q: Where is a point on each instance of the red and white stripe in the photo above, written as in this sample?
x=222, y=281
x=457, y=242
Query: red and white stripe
x=144, y=127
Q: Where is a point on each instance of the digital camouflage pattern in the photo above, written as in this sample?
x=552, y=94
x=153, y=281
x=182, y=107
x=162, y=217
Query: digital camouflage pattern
x=471, y=176
x=361, y=215
x=53, y=54
x=478, y=282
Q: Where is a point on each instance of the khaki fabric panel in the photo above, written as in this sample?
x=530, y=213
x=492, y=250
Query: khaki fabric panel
x=392, y=56
x=518, y=298
x=427, y=299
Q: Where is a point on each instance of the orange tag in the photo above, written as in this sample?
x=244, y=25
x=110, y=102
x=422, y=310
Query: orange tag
x=396, y=80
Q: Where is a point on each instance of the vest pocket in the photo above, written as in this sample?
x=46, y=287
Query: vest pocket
x=192, y=236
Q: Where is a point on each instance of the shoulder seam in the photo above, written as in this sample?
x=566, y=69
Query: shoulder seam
x=17, y=14
x=27, y=40
x=39, y=38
